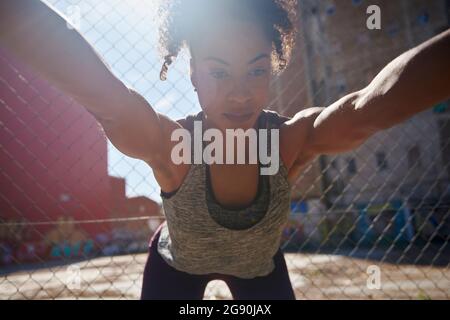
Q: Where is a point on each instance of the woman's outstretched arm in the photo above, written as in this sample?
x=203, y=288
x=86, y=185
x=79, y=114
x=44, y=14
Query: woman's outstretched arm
x=411, y=83
x=38, y=35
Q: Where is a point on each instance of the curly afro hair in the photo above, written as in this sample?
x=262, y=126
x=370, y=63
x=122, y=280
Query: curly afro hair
x=181, y=21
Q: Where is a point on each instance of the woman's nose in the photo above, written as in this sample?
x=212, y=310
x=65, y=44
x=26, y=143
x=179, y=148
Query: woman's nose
x=240, y=93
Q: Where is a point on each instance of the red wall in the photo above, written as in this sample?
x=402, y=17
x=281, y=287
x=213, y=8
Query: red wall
x=49, y=146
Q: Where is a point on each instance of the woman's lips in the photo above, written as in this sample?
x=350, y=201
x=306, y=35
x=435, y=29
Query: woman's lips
x=237, y=117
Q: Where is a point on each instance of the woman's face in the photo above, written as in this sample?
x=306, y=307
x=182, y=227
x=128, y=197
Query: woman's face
x=231, y=70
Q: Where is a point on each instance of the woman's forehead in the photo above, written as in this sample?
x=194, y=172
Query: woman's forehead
x=238, y=41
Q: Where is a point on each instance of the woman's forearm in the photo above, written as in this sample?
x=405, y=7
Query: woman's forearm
x=39, y=36
x=413, y=82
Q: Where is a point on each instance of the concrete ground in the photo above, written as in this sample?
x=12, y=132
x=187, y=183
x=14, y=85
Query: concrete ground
x=314, y=276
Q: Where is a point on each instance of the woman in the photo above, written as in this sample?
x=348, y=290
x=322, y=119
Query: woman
x=224, y=221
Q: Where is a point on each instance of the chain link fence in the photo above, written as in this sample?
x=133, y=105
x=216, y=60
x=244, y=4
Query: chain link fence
x=76, y=215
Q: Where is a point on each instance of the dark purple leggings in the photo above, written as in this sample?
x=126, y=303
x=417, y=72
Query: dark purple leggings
x=163, y=282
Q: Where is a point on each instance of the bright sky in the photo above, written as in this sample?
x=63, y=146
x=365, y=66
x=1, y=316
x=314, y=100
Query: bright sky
x=125, y=33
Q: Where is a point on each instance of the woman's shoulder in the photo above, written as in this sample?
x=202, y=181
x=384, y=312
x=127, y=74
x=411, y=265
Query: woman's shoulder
x=188, y=121
x=274, y=117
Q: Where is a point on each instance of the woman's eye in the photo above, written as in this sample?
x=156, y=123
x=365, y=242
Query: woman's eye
x=257, y=72
x=219, y=74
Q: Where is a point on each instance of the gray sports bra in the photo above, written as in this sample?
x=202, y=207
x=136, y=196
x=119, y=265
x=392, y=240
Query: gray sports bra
x=201, y=236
